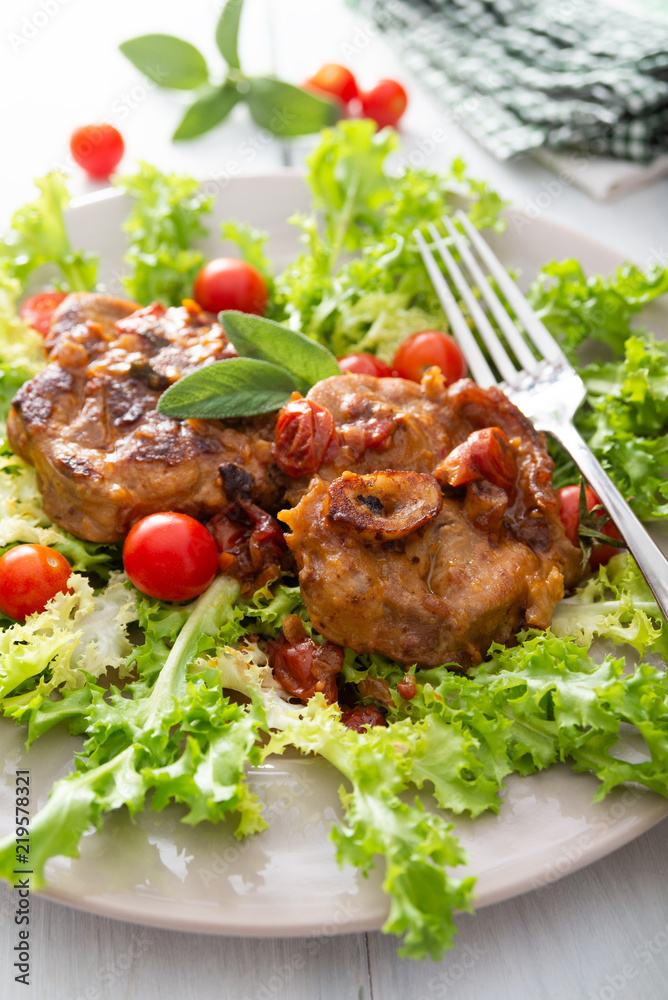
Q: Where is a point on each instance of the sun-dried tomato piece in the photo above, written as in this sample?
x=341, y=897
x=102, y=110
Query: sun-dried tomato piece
x=362, y=717
x=304, y=668
x=251, y=537
x=304, y=431
x=407, y=687
x=486, y=454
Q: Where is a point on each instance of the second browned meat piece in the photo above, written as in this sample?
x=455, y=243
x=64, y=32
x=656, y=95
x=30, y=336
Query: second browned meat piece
x=388, y=563
x=88, y=422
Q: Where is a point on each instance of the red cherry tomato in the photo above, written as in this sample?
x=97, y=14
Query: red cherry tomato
x=228, y=283
x=38, y=310
x=364, y=364
x=569, y=511
x=334, y=80
x=30, y=576
x=385, y=103
x=97, y=148
x=170, y=556
x=426, y=348
x=486, y=454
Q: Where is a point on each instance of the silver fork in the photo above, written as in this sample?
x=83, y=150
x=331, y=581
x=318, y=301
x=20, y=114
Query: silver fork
x=548, y=391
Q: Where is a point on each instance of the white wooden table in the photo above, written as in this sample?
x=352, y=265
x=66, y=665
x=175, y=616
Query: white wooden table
x=598, y=934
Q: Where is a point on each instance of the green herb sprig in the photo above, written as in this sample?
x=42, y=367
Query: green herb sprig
x=173, y=63
x=273, y=362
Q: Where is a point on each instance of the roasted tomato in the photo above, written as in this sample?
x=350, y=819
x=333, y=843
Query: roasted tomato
x=38, y=310
x=423, y=350
x=31, y=576
x=486, y=454
x=304, y=432
x=569, y=511
x=170, y=556
x=304, y=668
x=249, y=540
x=365, y=364
x=362, y=717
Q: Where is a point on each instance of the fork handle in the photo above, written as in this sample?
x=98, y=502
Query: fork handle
x=650, y=559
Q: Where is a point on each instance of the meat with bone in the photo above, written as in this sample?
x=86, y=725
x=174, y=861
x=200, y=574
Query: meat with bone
x=457, y=544
x=88, y=422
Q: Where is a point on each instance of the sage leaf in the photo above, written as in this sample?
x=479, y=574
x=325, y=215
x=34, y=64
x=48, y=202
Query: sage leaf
x=286, y=110
x=206, y=112
x=227, y=32
x=167, y=60
x=255, y=337
x=238, y=387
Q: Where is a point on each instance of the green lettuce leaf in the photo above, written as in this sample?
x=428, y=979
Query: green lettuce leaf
x=165, y=220
x=37, y=235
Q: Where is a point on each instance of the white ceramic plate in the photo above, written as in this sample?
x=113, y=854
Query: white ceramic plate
x=285, y=881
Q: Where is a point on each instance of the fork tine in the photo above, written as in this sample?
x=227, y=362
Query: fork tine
x=480, y=321
x=533, y=326
x=512, y=334
x=480, y=370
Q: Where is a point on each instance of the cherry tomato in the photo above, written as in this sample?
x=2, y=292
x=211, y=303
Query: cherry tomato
x=97, y=148
x=38, y=310
x=364, y=364
x=385, y=103
x=334, y=80
x=30, y=576
x=170, y=556
x=426, y=348
x=304, y=430
x=228, y=283
x=569, y=511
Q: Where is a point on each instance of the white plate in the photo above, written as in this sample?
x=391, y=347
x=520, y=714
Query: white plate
x=285, y=881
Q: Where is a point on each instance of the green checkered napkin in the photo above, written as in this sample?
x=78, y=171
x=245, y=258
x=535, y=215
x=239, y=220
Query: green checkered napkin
x=519, y=75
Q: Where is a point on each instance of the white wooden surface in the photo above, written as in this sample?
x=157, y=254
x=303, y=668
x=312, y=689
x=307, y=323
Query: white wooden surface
x=598, y=934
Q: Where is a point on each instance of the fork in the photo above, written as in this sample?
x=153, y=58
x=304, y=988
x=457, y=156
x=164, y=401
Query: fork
x=547, y=390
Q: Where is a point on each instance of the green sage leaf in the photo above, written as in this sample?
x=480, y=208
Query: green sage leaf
x=227, y=32
x=286, y=110
x=255, y=337
x=207, y=112
x=167, y=60
x=238, y=387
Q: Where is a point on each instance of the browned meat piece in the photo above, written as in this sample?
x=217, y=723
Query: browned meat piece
x=386, y=423
x=390, y=565
x=88, y=422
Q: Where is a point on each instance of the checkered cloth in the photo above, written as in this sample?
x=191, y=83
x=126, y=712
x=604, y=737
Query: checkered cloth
x=524, y=74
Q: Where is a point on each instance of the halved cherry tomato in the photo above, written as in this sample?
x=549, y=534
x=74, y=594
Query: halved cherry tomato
x=38, y=310
x=228, y=283
x=30, y=576
x=569, y=512
x=334, y=80
x=385, y=103
x=364, y=364
x=425, y=348
x=97, y=148
x=170, y=556
x=304, y=431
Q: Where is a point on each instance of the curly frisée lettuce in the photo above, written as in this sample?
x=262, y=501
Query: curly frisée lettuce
x=150, y=683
